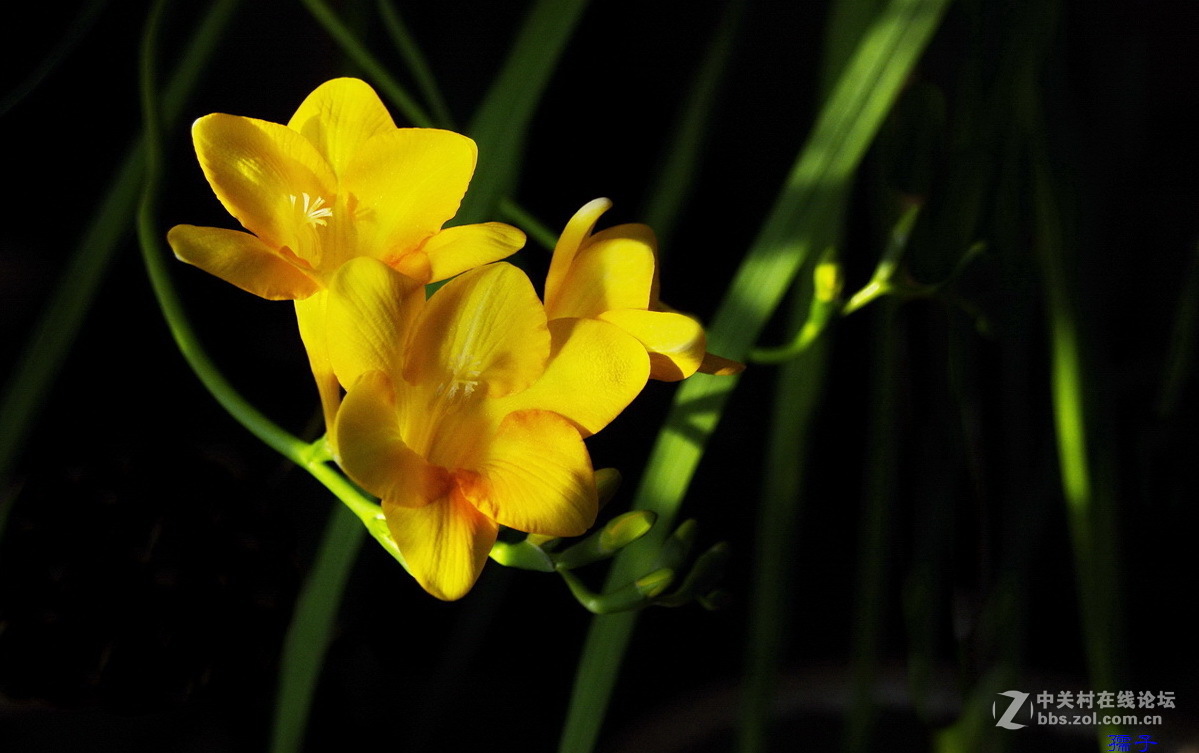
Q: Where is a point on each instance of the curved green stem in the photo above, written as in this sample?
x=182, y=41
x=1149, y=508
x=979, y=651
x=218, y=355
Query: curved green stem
x=311, y=457
x=824, y=305
x=882, y=281
x=148, y=239
x=310, y=631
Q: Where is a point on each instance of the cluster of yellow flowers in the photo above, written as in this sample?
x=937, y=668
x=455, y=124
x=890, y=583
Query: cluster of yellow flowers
x=467, y=410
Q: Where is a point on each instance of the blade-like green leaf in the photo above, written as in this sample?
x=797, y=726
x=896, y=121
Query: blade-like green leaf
x=370, y=65
x=415, y=59
x=843, y=131
x=500, y=124
x=677, y=175
x=55, y=332
x=311, y=628
x=83, y=22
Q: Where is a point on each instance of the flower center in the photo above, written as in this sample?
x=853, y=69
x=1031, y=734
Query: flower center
x=464, y=378
x=312, y=209
x=462, y=385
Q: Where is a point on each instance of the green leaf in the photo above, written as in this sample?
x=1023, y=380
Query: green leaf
x=844, y=129
x=51, y=340
x=502, y=120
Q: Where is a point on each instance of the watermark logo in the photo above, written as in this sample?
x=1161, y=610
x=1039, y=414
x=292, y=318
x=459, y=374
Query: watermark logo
x=1013, y=707
x=1085, y=707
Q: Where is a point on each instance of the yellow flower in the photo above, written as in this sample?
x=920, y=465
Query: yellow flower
x=612, y=276
x=339, y=181
x=468, y=411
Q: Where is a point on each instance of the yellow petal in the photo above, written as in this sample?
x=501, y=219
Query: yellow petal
x=371, y=308
x=613, y=271
x=373, y=452
x=486, y=327
x=262, y=173
x=675, y=342
x=414, y=264
x=311, y=317
x=338, y=117
x=445, y=544
x=574, y=236
x=535, y=476
x=637, y=231
x=243, y=260
x=595, y=370
x=458, y=249
x=407, y=184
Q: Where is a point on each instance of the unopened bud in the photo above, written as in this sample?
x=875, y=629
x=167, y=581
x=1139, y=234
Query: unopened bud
x=654, y=583
x=625, y=529
x=707, y=570
x=677, y=546
x=827, y=278
x=522, y=555
x=619, y=532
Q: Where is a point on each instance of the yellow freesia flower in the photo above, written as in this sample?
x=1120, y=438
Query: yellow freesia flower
x=339, y=181
x=612, y=276
x=468, y=411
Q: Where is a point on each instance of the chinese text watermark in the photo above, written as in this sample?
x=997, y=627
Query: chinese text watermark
x=1016, y=709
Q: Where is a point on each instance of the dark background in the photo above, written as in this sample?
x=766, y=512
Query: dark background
x=153, y=550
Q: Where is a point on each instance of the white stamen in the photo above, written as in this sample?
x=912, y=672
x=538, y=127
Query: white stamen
x=314, y=209
x=464, y=379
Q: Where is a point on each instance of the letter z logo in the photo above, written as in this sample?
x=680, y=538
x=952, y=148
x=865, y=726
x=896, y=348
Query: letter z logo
x=1017, y=701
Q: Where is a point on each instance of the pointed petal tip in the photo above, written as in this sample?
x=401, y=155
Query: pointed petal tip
x=458, y=249
x=595, y=207
x=243, y=260
x=445, y=543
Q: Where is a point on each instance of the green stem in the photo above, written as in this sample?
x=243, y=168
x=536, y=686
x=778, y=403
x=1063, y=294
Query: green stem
x=311, y=457
x=148, y=238
x=309, y=633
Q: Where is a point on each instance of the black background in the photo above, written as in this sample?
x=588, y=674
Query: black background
x=153, y=550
